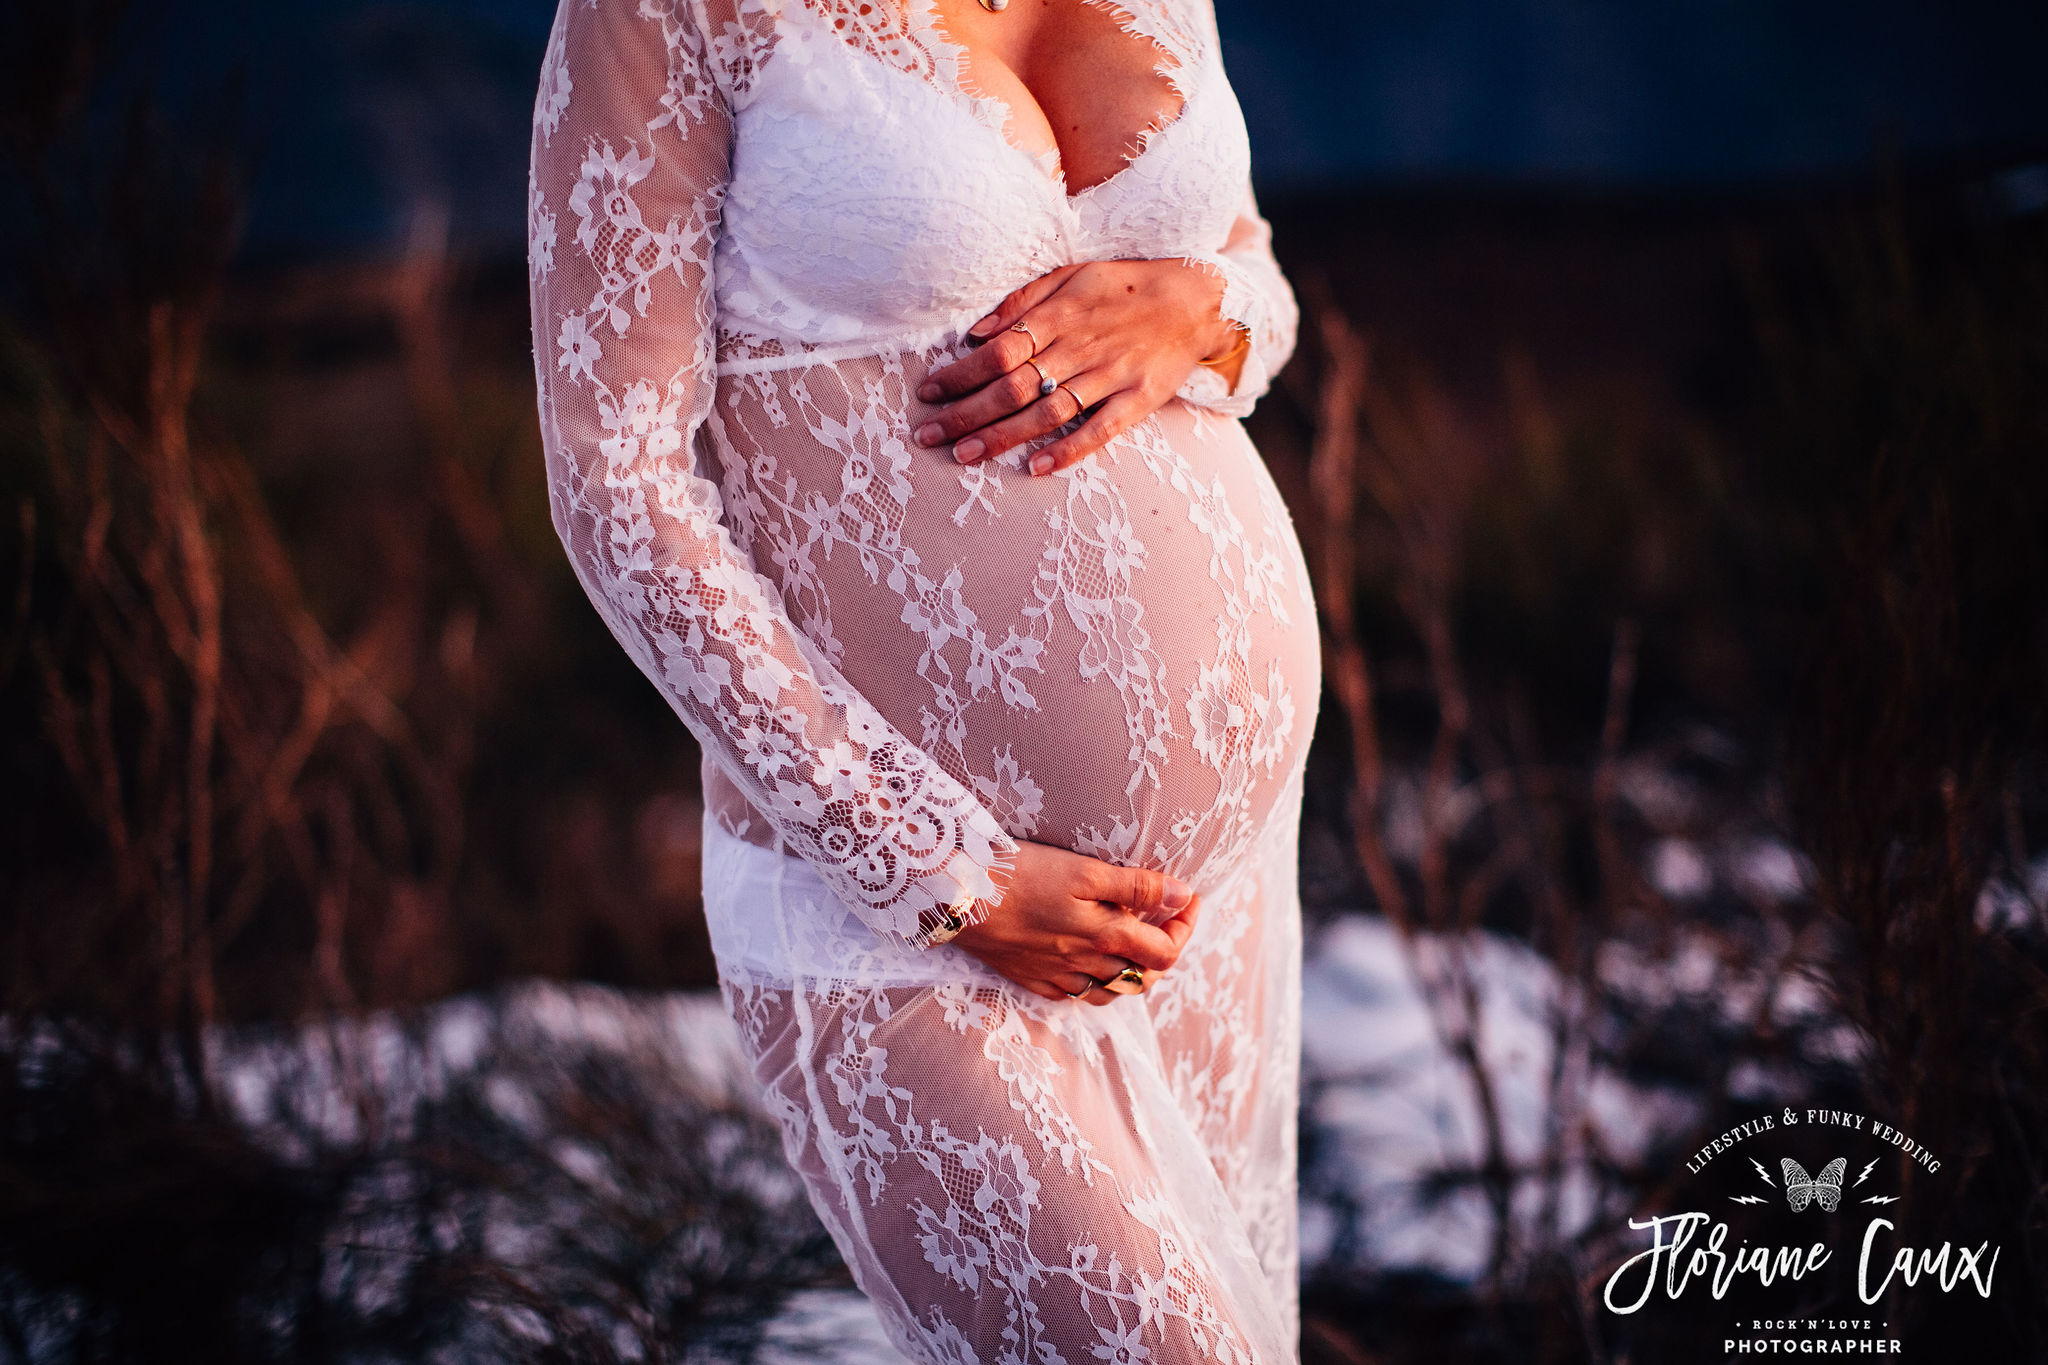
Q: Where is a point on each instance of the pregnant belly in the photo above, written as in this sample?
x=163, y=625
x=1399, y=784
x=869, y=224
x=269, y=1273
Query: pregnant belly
x=1120, y=659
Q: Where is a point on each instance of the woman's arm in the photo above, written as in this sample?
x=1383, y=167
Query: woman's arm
x=631, y=150
x=1122, y=337
x=1259, y=301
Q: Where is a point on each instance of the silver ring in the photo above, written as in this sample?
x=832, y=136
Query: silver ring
x=1019, y=326
x=1046, y=383
x=1092, y=986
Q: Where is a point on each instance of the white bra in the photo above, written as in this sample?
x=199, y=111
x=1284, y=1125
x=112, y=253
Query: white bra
x=875, y=203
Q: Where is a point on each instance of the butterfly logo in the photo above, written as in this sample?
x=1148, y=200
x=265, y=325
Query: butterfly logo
x=1824, y=1189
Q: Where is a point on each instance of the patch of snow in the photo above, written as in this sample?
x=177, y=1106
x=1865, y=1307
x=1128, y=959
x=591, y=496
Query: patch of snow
x=1679, y=871
x=827, y=1327
x=1767, y=870
x=1800, y=998
x=2005, y=906
x=1393, y=1105
x=1403, y=828
x=461, y=1030
x=1662, y=797
x=1402, y=1111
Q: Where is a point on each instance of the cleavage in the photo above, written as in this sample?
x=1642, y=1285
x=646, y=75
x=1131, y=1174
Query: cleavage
x=1074, y=83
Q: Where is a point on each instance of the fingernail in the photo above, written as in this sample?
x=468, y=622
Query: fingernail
x=929, y=434
x=929, y=392
x=969, y=449
x=1042, y=464
x=984, y=327
x=1177, y=894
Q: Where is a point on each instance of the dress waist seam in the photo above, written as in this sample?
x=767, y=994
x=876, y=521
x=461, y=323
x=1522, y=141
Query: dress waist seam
x=945, y=334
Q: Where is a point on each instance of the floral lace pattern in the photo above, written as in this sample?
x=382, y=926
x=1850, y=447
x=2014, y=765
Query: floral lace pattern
x=1018, y=1181
x=897, y=666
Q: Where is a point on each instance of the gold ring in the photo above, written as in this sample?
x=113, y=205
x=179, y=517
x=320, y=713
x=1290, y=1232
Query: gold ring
x=1129, y=981
x=1019, y=326
x=1093, y=985
x=1079, y=406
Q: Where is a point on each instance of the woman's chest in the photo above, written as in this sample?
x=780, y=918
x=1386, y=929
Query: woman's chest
x=870, y=186
x=1082, y=81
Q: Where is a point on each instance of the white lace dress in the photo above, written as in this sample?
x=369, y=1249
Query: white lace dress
x=755, y=225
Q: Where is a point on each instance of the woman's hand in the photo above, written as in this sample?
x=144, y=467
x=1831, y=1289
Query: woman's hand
x=1068, y=921
x=1120, y=337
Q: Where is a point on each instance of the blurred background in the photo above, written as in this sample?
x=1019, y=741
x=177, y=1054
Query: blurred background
x=1669, y=435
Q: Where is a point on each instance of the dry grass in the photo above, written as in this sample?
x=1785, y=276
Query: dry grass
x=1889, y=489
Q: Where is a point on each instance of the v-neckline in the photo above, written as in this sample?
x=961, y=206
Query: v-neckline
x=1172, y=66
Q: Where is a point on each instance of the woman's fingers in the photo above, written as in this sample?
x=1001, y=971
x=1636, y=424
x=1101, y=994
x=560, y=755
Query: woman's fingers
x=1113, y=417
x=988, y=422
x=972, y=371
x=1070, y=920
x=1138, y=943
x=1182, y=926
x=1013, y=407
x=1100, y=966
x=1019, y=302
x=1133, y=328
x=1070, y=986
x=991, y=377
x=1088, y=989
x=1040, y=416
x=1141, y=890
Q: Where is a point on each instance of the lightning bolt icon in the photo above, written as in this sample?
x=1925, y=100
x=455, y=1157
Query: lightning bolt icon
x=1766, y=1174
x=1745, y=1199
x=1866, y=1172
x=1882, y=1199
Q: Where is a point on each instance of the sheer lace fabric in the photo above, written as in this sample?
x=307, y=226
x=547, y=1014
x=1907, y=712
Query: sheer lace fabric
x=1013, y=1180
x=754, y=226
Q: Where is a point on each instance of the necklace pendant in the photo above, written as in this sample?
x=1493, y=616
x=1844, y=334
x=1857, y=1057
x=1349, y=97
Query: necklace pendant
x=995, y=6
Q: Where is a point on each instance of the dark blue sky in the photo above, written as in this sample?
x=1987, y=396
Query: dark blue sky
x=362, y=108
x=1630, y=90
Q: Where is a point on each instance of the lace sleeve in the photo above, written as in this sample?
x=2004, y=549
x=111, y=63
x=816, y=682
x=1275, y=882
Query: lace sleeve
x=632, y=140
x=1257, y=297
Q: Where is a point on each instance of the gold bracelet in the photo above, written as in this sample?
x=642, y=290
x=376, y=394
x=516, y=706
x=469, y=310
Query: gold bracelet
x=952, y=920
x=1244, y=343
